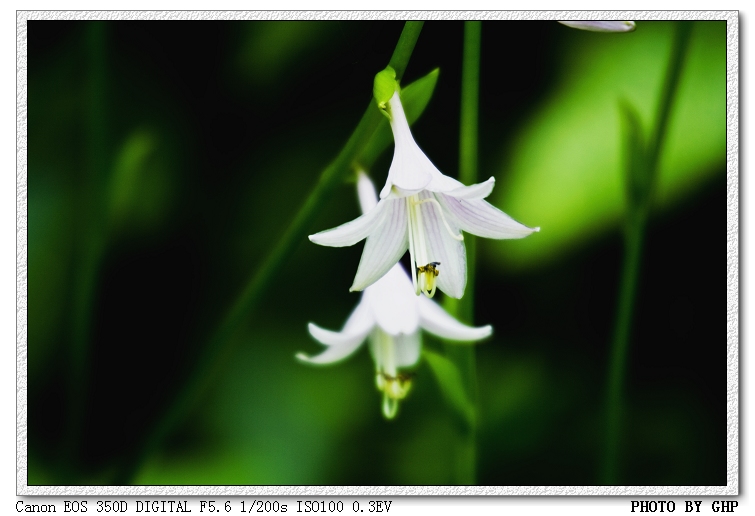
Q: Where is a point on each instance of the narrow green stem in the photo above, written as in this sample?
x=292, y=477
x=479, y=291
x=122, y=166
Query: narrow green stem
x=470, y=105
x=405, y=47
x=670, y=87
x=464, y=356
x=633, y=241
x=222, y=344
x=90, y=240
x=634, y=233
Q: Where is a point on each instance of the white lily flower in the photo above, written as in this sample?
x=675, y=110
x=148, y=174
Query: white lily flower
x=389, y=316
x=602, y=26
x=424, y=211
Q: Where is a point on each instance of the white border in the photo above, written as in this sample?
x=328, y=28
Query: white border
x=732, y=264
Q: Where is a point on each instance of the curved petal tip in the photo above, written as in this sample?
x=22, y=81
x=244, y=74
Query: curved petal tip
x=302, y=357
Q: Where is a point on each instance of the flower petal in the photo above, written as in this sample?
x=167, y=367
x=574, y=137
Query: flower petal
x=351, y=232
x=476, y=191
x=601, y=26
x=385, y=246
x=334, y=353
x=481, y=218
x=344, y=343
x=443, y=248
x=393, y=302
x=360, y=321
x=366, y=191
x=410, y=170
x=435, y=320
x=408, y=348
x=443, y=183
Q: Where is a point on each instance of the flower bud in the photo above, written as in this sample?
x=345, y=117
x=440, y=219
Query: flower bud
x=384, y=87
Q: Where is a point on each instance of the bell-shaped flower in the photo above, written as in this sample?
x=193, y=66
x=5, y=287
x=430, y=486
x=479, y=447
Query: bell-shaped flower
x=389, y=316
x=601, y=25
x=423, y=211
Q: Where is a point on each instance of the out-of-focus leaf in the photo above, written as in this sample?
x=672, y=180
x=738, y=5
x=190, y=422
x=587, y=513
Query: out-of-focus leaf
x=272, y=49
x=140, y=185
x=450, y=382
x=273, y=420
x=414, y=98
x=124, y=186
x=635, y=159
x=50, y=233
x=564, y=172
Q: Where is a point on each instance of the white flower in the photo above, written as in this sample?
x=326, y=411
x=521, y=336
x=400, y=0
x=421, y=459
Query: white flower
x=601, y=26
x=424, y=211
x=390, y=316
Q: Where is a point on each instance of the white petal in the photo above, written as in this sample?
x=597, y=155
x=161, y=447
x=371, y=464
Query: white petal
x=476, y=191
x=393, y=302
x=344, y=343
x=366, y=191
x=337, y=339
x=385, y=246
x=410, y=170
x=481, y=218
x=351, y=232
x=408, y=348
x=601, y=26
x=436, y=321
x=443, y=248
x=443, y=183
x=341, y=346
x=360, y=321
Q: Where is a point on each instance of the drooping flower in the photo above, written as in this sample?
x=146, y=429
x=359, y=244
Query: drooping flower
x=601, y=26
x=389, y=316
x=424, y=211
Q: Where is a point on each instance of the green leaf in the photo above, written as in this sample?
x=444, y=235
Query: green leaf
x=451, y=385
x=129, y=168
x=414, y=98
x=142, y=183
x=637, y=175
x=564, y=170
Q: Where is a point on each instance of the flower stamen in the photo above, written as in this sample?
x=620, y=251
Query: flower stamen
x=411, y=246
x=423, y=276
x=429, y=273
x=417, y=246
x=397, y=387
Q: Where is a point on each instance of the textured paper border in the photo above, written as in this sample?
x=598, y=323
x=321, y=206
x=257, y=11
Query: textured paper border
x=732, y=255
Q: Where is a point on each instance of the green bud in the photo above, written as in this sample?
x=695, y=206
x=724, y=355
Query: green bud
x=384, y=87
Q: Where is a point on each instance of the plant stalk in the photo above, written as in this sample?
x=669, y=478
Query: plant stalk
x=638, y=207
x=465, y=471
x=222, y=344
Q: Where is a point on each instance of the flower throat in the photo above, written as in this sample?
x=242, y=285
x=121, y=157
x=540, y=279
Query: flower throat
x=424, y=270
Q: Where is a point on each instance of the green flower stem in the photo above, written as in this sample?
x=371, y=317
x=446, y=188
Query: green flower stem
x=470, y=106
x=634, y=234
x=222, y=344
x=633, y=240
x=405, y=47
x=464, y=356
x=90, y=242
x=670, y=87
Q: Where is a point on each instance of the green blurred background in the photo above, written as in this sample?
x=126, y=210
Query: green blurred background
x=165, y=159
